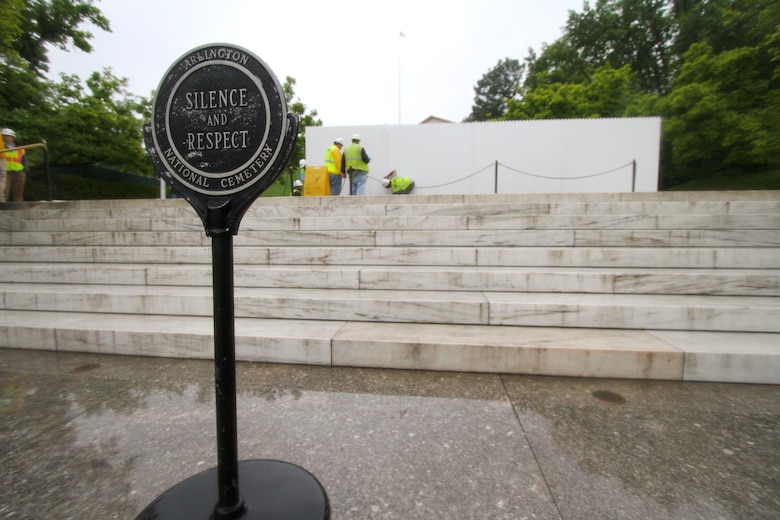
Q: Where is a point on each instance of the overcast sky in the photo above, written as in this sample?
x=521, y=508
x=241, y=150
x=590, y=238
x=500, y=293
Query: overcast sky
x=349, y=60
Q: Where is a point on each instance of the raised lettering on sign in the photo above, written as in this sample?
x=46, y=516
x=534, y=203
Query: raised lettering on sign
x=220, y=122
x=235, y=97
x=197, y=141
x=184, y=172
x=216, y=54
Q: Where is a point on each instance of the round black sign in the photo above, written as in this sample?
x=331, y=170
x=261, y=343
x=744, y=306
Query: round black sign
x=219, y=120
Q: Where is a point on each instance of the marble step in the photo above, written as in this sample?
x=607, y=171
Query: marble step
x=641, y=207
x=649, y=257
x=747, y=282
x=621, y=311
x=414, y=238
x=573, y=238
x=279, y=341
x=297, y=222
x=661, y=203
x=640, y=354
x=573, y=280
x=643, y=354
x=672, y=312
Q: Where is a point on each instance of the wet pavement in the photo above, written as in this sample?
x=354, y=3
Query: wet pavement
x=100, y=437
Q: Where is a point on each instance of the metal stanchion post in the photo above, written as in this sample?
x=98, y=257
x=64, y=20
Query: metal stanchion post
x=258, y=136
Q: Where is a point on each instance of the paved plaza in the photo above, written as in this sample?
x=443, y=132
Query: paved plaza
x=87, y=436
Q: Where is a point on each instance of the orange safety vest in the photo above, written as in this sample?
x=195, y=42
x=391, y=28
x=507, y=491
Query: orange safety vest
x=14, y=160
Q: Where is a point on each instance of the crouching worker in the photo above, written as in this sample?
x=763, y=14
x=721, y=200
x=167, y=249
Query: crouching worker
x=398, y=185
x=297, y=190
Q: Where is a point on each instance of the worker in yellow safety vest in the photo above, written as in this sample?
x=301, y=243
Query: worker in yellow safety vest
x=333, y=162
x=15, y=164
x=2, y=172
x=398, y=185
x=356, y=160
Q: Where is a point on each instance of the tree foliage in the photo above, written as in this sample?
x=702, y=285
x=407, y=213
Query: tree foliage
x=708, y=67
x=98, y=122
x=558, y=63
x=723, y=24
x=608, y=94
x=54, y=22
x=305, y=120
x=496, y=88
x=95, y=121
x=92, y=121
x=10, y=24
x=638, y=33
x=723, y=112
x=721, y=116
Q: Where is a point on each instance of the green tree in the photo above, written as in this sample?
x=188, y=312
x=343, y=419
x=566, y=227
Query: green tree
x=722, y=114
x=305, y=120
x=709, y=67
x=649, y=35
x=95, y=121
x=497, y=87
x=21, y=91
x=10, y=24
x=639, y=33
x=723, y=24
x=558, y=63
x=53, y=22
x=99, y=122
x=608, y=94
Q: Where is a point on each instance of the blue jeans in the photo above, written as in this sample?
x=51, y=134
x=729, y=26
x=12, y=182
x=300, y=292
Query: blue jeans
x=335, y=184
x=358, y=183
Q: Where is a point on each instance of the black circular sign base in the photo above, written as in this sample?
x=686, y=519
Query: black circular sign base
x=271, y=490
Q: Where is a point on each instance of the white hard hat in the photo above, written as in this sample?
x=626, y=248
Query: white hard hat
x=8, y=131
x=385, y=182
x=297, y=184
x=302, y=163
x=356, y=137
x=339, y=140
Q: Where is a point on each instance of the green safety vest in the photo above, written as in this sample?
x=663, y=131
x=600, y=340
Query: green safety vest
x=399, y=184
x=354, y=157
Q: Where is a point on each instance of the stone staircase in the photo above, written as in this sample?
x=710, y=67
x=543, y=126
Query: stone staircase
x=673, y=285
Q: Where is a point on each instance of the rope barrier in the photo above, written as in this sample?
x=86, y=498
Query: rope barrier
x=568, y=178
x=496, y=164
x=446, y=183
x=455, y=181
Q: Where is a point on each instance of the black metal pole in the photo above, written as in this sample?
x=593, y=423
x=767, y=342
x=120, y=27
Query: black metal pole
x=230, y=504
x=273, y=490
x=495, y=181
x=48, y=174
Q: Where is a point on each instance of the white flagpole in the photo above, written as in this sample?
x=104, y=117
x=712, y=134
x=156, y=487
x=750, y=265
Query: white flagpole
x=400, y=36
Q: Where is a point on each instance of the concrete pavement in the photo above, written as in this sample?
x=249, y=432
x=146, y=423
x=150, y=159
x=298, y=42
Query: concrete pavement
x=87, y=436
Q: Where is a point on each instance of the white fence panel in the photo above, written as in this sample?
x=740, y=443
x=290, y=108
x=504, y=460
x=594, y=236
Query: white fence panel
x=546, y=156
